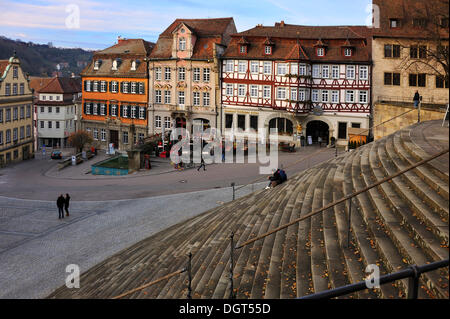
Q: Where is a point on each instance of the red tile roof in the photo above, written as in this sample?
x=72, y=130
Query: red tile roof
x=56, y=85
x=207, y=31
x=294, y=42
x=3, y=65
x=406, y=11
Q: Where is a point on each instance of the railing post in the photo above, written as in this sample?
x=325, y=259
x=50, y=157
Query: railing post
x=349, y=222
x=189, y=270
x=413, y=283
x=335, y=146
x=232, y=185
x=231, y=265
x=418, y=110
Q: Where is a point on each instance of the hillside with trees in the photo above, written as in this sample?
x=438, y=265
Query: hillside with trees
x=44, y=59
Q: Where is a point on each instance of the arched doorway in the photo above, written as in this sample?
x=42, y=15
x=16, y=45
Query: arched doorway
x=317, y=129
x=180, y=122
x=283, y=125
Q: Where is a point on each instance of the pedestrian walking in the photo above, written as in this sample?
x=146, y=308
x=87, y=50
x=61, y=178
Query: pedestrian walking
x=202, y=163
x=416, y=99
x=60, y=203
x=66, y=204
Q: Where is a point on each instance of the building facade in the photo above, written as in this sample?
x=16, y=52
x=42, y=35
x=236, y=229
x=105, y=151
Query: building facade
x=16, y=116
x=409, y=39
x=310, y=81
x=56, y=110
x=115, y=94
x=185, y=73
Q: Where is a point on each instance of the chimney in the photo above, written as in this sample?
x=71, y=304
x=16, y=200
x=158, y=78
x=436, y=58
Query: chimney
x=282, y=23
x=120, y=39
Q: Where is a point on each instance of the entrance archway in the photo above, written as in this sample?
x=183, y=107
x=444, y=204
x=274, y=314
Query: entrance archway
x=284, y=126
x=204, y=122
x=317, y=129
x=180, y=122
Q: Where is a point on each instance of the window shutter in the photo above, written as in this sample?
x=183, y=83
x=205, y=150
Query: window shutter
x=129, y=111
x=121, y=110
x=85, y=85
x=121, y=87
x=142, y=88
x=91, y=105
x=145, y=113
x=84, y=106
x=110, y=86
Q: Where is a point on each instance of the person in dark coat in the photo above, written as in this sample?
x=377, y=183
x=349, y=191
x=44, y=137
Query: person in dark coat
x=66, y=204
x=60, y=203
x=416, y=99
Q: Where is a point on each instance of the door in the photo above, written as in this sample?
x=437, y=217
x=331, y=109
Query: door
x=114, y=138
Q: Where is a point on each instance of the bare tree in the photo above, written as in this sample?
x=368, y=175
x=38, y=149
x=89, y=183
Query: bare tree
x=428, y=51
x=79, y=139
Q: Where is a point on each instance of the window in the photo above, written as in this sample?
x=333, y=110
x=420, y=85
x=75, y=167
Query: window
x=320, y=51
x=141, y=136
x=181, y=74
x=420, y=22
x=49, y=124
x=167, y=97
x=334, y=96
x=229, y=66
x=228, y=120
x=158, y=121
x=22, y=89
x=281, y=69
x=196, y=76
x=267, y=67
x=418, y=80
x=268, y=49
x=243, y=49
x=254, y=122
x=325, y=71
x=335, y=72
x=342, y=130
x=22, y=132
x=87, y=86
x=196, y=98
x=167, y=74
x=206, y=99
x=1, y=137
x=102, y=86
x=57, y=97
x=182, y=44
x=316, y=71
x=158, y=96
x=254, y=66
x=206, y=74
x=95, y=109
x=241, y=90
x=266, y=91
x=229, y=89
x=253, y=90
x=181, y=97
x=57, y=109
x=350, y=71
x=158, y=73
x=8, y=115
x=242, y=66
x=315, y=95
x=363, y=72
x=15, y=114
x=167, y=122
x=348, y=52
x=392, y=79
x=113, y=109
x=350, y=96
x=356, y=125
x=302, y=95
x=95, y=86
x=1, y=115
x=441, y=83
x=28, y=130
x=125, y=87
x=42, y=124
x=22, y=112
x=133, y=87
x=8, y=136
x=302, y=69
x=133, y=112
x=57, y=124
x=241, y=122
x=363, y=97
x=125, y=111
x=325, y=96
x=15, y=72
x=142, y=113
x=125, y=137
x=7, y=89
x=391, y=51
x=15, y=89
x=294, y=94
x=114, y=86
x=394, y=23
x=281, y=93
x=141, y=88
x=103, y=134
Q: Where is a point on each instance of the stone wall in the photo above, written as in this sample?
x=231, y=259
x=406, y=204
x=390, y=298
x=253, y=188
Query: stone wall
x=383, y=112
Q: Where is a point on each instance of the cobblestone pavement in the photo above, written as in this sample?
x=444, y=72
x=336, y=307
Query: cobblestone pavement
x=106, y=214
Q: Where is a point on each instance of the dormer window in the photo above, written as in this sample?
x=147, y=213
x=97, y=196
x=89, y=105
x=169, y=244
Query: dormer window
x=243, y=49
x=182, y=44
x=268, y=50
x=320, y=51
x=97, y=64
x=347, y=52
x=134, y=65
x=243, y=46
x=419, y=22
x=394, y=23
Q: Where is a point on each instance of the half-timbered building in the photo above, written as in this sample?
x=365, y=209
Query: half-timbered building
x=302, y=80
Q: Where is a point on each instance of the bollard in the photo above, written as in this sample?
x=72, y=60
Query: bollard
x=418, y=111
x=232, y=185
x=189, y=269
x=231, y=265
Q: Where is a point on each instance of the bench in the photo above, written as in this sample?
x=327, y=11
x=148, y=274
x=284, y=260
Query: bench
x=287, y=147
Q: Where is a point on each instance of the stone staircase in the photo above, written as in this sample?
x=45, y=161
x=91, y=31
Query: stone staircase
x=399, y=223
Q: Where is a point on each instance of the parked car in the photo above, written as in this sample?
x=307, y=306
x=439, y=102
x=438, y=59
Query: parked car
x=56, y=155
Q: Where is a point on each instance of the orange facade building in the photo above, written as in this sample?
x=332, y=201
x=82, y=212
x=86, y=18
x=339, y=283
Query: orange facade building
x=115, y=94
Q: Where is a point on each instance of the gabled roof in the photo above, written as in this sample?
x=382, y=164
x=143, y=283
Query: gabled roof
x=61, y=85
x=128, y=46
x=37, y=83
x=3, y=65
x=201, y=27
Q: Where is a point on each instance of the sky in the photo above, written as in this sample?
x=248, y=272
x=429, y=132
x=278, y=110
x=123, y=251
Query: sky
x=97, y=24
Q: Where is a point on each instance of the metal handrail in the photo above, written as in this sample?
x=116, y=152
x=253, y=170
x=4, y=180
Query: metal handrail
x=343, y=199
x=412, y=272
